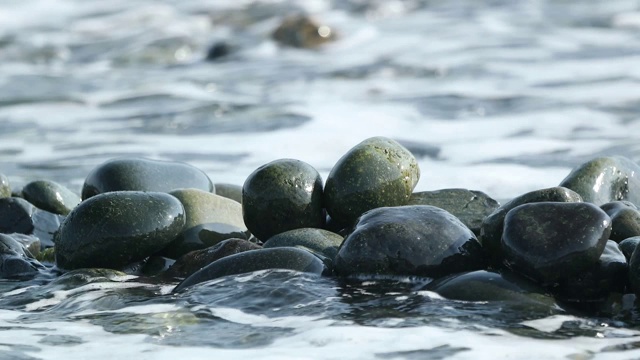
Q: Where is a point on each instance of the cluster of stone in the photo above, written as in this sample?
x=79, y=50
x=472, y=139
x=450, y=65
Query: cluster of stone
x=571, y=244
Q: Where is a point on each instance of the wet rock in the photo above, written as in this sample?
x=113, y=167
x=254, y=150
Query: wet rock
x=300, y=31
x=628, y=245
x=50, y=196
x=492, y=226
x=45, y=225
x=605, y=179
x=47, y=256
x=5, y=188
x=409, y=240
x=378, y=172
x=608, y=275
x=470, y=206
x=318, y=241
x=114, y=229
x=203, y=236
x=230, y=191
x=634, y=271
x=196, y=260
x=218, y=50
x=77, y=278
x=484, y=285
x=552, y=241
x=15, y=262
x=141, y=174
x=282, y=195
x=29, y=242
x=15, y=216
x=287, y=258
x=155, y=265
x=625, y=219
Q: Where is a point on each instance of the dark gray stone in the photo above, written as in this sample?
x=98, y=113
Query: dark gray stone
x=282, y=195
x=45, y=225
x=319, y=241
x=15, y=216
x=230, y=191
x=5, y=188
x=202, y=236
x=15, y=262
x=628, y=245
x=470, y=206
x=409, y=240
x=625, y=219
x=287, y=258
x=492, y=226
x=378, y=172
x=552, y=241
x=141, y=174
x=29, y=242
x=114, y=229
x=50, y=196
x=605, y=179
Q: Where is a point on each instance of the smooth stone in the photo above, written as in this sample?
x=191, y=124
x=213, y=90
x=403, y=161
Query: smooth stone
x=625, y=219
x=605, y=179
x=230, y=191
x=282, y=195
x=608, y=275
x=286, y=258
x=196, y=260
x=141, y=174
x=470, y=206
x=50, y=196
x=15, y=262
x=300, y=31
x=15, y=216
x=378, y=172
x=628, y=245
x=552, y=241
x=201, y=237
x=320, y=241
x=485, y=285
x=45, y=225
x=5, y=187
x=417, y=240
x=29, y=242
x=493, y=225
x=634, y=272
x=114, y=229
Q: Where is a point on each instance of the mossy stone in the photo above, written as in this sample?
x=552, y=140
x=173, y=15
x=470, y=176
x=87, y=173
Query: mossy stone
x=5, y=187
x=625, y=219
x=50, y=196
x=282, y=195
x=141, y=174
x=114, y=229
x=320, y=241
x=377, y=172
x=230, y=191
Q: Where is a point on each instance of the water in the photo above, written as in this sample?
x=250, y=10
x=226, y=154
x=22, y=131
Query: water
x=499, y=96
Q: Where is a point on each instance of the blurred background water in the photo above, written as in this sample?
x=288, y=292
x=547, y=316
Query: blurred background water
x=492, y=95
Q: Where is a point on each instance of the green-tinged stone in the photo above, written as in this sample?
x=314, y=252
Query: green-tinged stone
x=492, y=226
x=50, y=196
x=625, y=219
x=114, y=229
x=5, y=188
x=628, y=245
x=141, y=174
x=282, y=195
x=230, y=191
x=605, y=179
x=553, y=241
x=47, y=255
x=285, y=258
x=470, y=206
x=29, y=242
x=378, y=172
x=319, y=241
x=409, y=240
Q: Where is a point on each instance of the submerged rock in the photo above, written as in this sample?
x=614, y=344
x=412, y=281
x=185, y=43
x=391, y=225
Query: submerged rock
x=409, y=240
x=378, y=172
x=317, y=241
x=470, y=206
x=552, y=241
x=282, y=195
x=287, y=258
x=50, y=196
x=605, y=179
x=114, y=229
x=302, y=32
x=141, y=174
x=29, y=242
x=625, y=219
x=493, y=225
x=15, y=262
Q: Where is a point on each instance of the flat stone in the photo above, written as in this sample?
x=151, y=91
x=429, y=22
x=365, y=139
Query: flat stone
x=625, y=219
x=605, y=179
x=141, y=174
x=409, y=240
x=286, y=258
x=493, y=225
x=470, y=206
x=50, y=196
x=230, y=191
x=114, y=229
x=552, y=241
x=376, y=173
x=318, y=241
x=282, y=195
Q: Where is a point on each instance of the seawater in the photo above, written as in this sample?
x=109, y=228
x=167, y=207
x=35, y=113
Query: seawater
x=499, y=96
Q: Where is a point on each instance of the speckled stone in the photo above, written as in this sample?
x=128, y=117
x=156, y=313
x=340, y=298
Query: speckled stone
x=318, y=241
x=5, y=188
x=230, y=191
x=378, y=172
x=50, y=196
x=552, y=241
x=15, y=262
x=141, y=174
x=605, y=179
x=114, y=229
x=470, y=206
x=282, y=195
x=492, y=226
x=628, y=245
x=286, y=258
x=625, y=219
x=15, y=216
x=409, y=240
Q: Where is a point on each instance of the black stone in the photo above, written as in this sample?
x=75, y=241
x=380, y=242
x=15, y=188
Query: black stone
x=202, y=236
x=15, y=216
x=628, y=245
x=218, y=50
x=625, y=219
x=409, y=240
x=50, y=196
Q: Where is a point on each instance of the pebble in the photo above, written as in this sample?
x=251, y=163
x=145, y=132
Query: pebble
x=50, y=196
x=301, y=31
x=318, y=241
x=625, y=219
